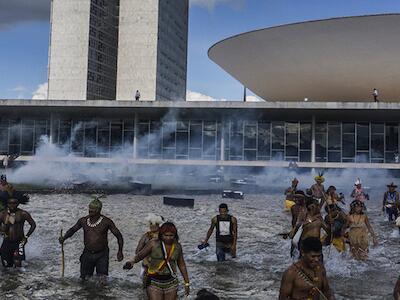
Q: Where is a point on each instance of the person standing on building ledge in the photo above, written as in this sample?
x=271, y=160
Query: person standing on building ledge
x=375, y=94
x=226, y=233
x=137, y=95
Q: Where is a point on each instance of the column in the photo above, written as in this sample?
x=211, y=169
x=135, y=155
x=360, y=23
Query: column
x=222, y=154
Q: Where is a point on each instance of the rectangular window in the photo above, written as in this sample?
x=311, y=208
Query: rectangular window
x=292, y=140
x=377, y=141
x=278, y=135
x=320, y=142
x=305, y=136
x=195, y=135
x=27, y=141
x=250, y=136
x=236, y=140
x=154, y=139
x=362, y=137
x=182, y=143
x=391, y=142
x=264, y=136
x=4, y=140
x=334, y=137
x=209, y=144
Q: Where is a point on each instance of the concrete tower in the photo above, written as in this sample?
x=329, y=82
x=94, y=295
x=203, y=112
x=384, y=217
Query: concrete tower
x=108, y=49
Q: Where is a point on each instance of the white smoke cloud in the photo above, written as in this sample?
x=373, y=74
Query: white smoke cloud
x=41, y=92
x=194, y=96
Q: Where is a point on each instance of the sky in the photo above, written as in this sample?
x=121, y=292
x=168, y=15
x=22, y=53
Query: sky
x=24, y=39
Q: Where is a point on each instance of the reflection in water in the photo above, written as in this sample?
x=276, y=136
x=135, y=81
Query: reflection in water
x=255, y=274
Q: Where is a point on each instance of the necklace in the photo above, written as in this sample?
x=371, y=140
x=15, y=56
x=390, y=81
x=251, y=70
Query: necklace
x=95, y=223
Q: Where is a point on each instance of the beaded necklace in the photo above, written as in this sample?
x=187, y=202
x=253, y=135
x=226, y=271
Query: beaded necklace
x=95, y=223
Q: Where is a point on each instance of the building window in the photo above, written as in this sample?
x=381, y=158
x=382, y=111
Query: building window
x=320, y=142
x=391, y=141
x=362, y=154
x=292, y=141
x=264, y=141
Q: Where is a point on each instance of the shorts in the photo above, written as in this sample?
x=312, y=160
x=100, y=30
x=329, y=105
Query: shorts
x=91, y=260
x=10, y=251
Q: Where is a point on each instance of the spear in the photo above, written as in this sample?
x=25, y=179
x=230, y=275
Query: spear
x=62, y=256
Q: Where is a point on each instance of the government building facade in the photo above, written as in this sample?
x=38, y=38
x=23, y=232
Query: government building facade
x=319, y=109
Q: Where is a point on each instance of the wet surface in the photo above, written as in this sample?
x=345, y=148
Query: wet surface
x=254, y=274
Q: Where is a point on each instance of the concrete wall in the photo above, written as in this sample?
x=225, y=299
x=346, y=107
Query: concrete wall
x=137, y=49
x=172, y=50
x=68, y=59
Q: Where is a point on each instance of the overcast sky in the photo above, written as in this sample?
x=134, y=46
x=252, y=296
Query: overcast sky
x=24, y=38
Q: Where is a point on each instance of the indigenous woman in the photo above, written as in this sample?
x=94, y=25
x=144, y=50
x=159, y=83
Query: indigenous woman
x=290, y=191
x=154, y=222
x=165, y=256
x=358, y=192
x=359, y=226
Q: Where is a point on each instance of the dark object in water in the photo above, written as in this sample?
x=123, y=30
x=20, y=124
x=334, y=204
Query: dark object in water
x=140, y=188
x=203, y=246
x=203, y=294
x=185, y=202
x=232, y=194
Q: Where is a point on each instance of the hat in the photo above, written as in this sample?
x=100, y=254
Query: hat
x=320, y=177
x=154, y=219
x=392, y=185
x=96, y=203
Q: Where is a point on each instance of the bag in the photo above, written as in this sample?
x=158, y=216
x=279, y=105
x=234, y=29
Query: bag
x=297, y=236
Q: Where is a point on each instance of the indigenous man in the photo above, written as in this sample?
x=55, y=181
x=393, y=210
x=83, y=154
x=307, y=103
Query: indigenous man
x=306, y=279
x=309, y=225
x=226, y=233
x=96, y=253
x=290, y=191
x=396, y=291
x=7, y=191
x=12, y=225
x=336, y=221
x=332, y=197
x=358, y=192
x=391, y=202
x=317, y=190
x=299, y=208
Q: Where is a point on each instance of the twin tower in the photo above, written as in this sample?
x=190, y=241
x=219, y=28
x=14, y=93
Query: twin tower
x=108, y=49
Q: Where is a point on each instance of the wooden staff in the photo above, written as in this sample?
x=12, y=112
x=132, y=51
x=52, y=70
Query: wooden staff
x=62, y=256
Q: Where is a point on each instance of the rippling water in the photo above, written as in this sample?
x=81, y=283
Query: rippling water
x=255, y=274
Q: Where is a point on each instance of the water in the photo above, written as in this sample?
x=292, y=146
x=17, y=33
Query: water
x=255, y=274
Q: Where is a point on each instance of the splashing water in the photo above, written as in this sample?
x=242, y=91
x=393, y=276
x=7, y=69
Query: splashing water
x=254, y=274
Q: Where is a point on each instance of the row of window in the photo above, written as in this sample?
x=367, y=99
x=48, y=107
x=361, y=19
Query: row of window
x=200, y=139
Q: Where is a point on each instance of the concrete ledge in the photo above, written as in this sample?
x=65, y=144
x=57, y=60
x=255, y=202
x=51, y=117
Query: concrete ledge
x=202, y=104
